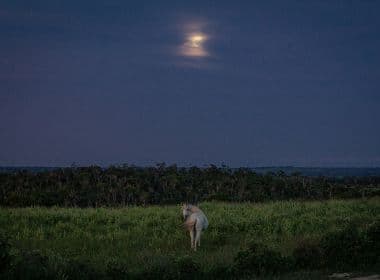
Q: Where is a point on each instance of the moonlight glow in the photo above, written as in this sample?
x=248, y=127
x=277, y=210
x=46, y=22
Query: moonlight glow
x=196, y=40
x=194, y=45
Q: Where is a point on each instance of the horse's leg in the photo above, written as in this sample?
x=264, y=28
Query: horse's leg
x=192, y=238
x=198, y=238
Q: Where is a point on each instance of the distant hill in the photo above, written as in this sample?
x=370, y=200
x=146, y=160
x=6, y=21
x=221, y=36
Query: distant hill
x=33, y=169
x=323, y=171
x=305, y=171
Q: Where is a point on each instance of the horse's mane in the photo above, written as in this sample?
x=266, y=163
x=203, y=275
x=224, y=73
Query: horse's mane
x=190, y=207
x=194, y=209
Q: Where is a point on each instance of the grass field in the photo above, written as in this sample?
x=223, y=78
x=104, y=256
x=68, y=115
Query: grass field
x=139, y=239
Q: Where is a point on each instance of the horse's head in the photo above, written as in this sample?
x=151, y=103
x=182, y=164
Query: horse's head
x=186, y=210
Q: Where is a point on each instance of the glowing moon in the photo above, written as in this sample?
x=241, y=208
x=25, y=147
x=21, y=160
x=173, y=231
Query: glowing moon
x=196, y=40
x=194, y=45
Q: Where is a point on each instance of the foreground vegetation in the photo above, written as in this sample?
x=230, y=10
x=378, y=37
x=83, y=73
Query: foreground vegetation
x=129, y=185
x=243, y=240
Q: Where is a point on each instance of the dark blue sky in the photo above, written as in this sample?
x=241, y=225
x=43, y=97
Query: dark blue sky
x=267, y=83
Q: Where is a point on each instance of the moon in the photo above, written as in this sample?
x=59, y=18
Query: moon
x=194, y=45
x=196, y=40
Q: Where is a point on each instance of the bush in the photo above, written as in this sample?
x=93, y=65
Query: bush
x=164, y=272
x=372, y=245
x=344, y=249
x=116, y=270
x=81, y=271
x=219, y=272
x=186, y=267
x=162, y=268
x=31, y=265
x=308, y=255
x=259, y=260
x=5, y=258
x=180, y=268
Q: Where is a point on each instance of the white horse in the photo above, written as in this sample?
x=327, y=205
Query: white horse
x=195, y=222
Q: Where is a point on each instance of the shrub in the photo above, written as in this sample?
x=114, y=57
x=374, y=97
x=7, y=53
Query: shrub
x=308, y=255
x=81, y=271
x=5, y=258
x=162, y=270
x=31, y=265
x=219, y=272
x=344, y=249
x=372, y=245
x=260, y=260
x=186, y=267
x=116, y=270
x=183, y=267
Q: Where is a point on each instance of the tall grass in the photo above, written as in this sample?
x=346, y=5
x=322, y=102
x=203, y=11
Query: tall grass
x=141, y=238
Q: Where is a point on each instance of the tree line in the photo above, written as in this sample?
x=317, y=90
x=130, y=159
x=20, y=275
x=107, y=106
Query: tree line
x=117, y=186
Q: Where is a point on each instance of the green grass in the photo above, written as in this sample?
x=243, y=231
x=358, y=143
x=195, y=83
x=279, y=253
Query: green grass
x=143, y=237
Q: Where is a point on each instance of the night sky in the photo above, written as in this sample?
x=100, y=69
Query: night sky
x=244, y=83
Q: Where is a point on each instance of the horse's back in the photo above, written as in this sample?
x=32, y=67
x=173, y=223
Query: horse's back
x=202, y=222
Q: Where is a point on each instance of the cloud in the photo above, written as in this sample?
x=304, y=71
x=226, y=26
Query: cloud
x=193, y=50
x=194, y=45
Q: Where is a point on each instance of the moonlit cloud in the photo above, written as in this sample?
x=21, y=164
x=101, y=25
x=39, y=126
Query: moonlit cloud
x=194, y=46
x=194, y=40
